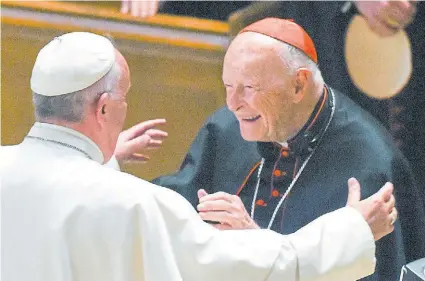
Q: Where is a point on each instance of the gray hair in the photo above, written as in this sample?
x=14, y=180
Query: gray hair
x=71, y=107
x=295, y=59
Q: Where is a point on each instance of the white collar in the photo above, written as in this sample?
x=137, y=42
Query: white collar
x=67, y=136
x=284, y=144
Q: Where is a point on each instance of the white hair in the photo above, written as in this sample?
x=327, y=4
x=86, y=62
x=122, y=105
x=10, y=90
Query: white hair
x=71, y=107
x=294, y=59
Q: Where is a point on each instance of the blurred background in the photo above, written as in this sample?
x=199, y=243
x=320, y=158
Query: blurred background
x=175, y=58
x=175, y=51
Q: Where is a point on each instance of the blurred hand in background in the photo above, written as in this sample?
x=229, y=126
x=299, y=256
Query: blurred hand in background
x=140, y=8
x=386, y=17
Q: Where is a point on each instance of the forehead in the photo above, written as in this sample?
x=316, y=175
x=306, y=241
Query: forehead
x=253, y=52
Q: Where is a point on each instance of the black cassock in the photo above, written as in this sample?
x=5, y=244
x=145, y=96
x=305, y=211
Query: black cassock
x=354, y=145
x=327, y=22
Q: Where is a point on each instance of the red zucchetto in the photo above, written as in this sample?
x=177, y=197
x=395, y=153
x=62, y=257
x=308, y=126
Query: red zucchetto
x=286, y=31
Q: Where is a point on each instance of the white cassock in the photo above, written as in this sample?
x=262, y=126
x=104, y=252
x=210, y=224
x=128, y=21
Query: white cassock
x=66, y=217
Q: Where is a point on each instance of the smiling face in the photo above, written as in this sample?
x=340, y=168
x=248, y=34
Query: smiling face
x=260, y=91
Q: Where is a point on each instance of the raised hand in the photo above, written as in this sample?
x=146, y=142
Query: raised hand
x=378, y=210
x=139, y=138
x=386, y=17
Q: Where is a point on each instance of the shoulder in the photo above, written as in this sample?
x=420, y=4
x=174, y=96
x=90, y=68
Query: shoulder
x=8, y=151
x=10, y=155
x=117, y=181
x=223, y=118
x=121, y=193
x=356, y=137
x=354, y=123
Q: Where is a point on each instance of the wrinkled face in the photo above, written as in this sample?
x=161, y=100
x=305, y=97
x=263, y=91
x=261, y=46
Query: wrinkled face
x=259, y=89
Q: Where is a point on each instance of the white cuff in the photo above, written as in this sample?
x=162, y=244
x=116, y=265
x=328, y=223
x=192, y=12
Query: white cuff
x=338, y=245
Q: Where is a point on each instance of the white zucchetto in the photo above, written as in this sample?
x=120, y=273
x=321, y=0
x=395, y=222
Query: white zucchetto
x=71, y=62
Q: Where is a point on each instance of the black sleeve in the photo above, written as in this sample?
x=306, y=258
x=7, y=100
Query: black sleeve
x=194, y=172
x=411, y=211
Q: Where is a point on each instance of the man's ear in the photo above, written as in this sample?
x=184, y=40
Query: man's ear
x=102, y=108
x=303, y=78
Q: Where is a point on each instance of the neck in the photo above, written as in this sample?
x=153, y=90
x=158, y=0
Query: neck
x=85, y=127
x=303, y=110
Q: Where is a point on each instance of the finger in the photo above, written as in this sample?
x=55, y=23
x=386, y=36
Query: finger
x=143, y=143
x=125, y=6
x=394, y=216
x=155, y=133
x=150, y=8
x=153, y=144
x=413, y=3
x=142, y=127
x=387, y=207
x=386, y=191
x=403, y=8
x=222, y=226
x=138, y=143
x=202, y=193
x=144, y=8
x=150, y=148
x=155, y=7
x=136, y=157
x=135, y=8
x=354, y=193
x=391, y=203
x=382, y=28
x=221, y=217
x=213, y=206
x=217, y=196
x=397, y=14
x=398, y=18
x=141, y=8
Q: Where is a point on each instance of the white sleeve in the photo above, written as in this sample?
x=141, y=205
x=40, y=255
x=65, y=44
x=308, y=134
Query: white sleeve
x=336, y=246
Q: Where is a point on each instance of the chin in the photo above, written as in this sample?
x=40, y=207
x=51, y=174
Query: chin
x=250, y=137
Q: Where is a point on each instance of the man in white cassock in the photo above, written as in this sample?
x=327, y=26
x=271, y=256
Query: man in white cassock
x=65, y=216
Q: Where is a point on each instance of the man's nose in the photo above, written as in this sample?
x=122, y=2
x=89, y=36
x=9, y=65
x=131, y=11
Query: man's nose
x=234, y=99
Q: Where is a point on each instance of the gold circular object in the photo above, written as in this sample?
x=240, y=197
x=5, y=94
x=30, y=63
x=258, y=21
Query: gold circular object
x=379, y=66
x=392, y=23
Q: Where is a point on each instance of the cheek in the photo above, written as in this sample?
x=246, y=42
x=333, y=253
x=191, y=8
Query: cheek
x=267, y=108
x=124, y=113
x=121, y=114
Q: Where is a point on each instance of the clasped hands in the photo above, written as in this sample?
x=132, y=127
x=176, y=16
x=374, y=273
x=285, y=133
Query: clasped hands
x=226, y=209
x=229, y=212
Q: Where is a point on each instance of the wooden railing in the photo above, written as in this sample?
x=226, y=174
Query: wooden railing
x=186, y=31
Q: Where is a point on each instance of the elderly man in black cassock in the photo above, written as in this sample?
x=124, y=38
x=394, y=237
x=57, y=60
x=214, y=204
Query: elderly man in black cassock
x=327, y=22
x=279, y=155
